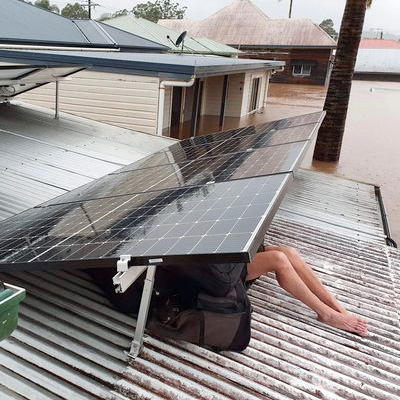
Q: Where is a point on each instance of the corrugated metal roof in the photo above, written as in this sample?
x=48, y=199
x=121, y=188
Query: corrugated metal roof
x=379, y=44
x=378, y=60
x=23, y=23
x=174, y=65
x=158, y=33
x=70, y=343
x=41, y=157
x=243, y=23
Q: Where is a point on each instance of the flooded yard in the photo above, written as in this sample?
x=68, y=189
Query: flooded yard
x=371, y=144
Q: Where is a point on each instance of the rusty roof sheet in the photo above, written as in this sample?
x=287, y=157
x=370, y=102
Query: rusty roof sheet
x=379, y=44
x=70, y=342
x=242, y=23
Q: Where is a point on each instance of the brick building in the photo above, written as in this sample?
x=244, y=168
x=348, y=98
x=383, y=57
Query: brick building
x=302, y=44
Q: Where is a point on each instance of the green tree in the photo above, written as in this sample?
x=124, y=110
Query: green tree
x=327, y=26
x=118, y=13
x=159, y=9
x=75, y=11
x=47, y=6
x=330, y=135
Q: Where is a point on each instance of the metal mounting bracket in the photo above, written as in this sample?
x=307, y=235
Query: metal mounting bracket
x=126, y=275
x=137, y=343
x=124, y=278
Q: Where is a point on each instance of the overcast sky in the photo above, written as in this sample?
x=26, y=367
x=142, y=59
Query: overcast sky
x=384, y=14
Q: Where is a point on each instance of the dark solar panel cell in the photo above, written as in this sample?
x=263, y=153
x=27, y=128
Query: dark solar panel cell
x=293, y=129
x=248, y=163
x=312, y=118
x=148, y=225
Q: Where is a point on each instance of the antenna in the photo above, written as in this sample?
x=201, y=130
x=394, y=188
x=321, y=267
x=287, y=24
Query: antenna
x=180, y=40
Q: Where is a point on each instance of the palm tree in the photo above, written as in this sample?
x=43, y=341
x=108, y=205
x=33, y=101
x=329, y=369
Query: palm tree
x=330, y=135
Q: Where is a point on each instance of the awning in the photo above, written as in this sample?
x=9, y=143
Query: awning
x=179, y=66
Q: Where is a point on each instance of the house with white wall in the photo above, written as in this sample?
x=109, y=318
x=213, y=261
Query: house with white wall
x=151, y=93
x=129, y=84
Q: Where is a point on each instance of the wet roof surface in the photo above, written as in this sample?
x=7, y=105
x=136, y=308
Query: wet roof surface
x=70, y=342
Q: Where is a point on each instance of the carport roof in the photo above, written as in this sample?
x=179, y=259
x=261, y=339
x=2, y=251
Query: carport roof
x=167, y=65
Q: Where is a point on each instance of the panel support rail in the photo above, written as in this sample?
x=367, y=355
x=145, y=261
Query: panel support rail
x=124, y=278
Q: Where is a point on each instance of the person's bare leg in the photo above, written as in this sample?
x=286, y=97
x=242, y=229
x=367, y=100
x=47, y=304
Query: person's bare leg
x=288, y=279
x=308, y=276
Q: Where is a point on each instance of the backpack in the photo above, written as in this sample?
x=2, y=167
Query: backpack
x=204, y=305
x=197, y=316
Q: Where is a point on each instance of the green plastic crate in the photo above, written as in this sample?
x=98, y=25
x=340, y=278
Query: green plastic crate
x=10, y=298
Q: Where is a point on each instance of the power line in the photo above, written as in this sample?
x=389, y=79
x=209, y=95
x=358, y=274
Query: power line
x=90, y=5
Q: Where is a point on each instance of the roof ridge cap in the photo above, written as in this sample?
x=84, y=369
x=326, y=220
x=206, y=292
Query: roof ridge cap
x=237, y=2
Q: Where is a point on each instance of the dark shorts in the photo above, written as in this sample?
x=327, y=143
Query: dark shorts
x=216, y=279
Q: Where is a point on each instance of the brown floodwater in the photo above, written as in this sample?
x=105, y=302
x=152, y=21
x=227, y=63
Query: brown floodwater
x=371, y=143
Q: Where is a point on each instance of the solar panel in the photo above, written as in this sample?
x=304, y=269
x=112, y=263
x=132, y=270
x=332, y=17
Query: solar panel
x=201, y=200
x=244, y=164
x=240, y=140
x=201, y=221
x=16, y=79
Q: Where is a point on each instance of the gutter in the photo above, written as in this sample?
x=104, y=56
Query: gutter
x=389, y=241
x=55, y=48
x=161, y=98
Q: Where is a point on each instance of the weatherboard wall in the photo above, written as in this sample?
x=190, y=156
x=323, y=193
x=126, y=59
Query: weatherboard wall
x=128, y=101
x=131, y=101
x=239, y=94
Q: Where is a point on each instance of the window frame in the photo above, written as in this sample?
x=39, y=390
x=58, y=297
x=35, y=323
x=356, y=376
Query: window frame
x=303, y=68
x=255, y=92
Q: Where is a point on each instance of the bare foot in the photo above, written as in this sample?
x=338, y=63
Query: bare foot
x=346, y=321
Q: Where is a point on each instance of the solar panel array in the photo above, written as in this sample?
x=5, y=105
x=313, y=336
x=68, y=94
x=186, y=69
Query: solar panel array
x=205, y=199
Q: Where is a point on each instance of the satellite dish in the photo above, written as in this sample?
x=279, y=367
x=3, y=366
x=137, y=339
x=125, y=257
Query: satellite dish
x=180, y=39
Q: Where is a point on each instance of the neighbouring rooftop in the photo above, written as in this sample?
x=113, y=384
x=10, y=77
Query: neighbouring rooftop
x=22, y=23
x=379, y=44
x=377, y=56
x=71, y=343
x=168, y=37
x=243, y=23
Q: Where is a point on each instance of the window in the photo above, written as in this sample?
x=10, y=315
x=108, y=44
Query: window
x=302, y=70
x=255, y=92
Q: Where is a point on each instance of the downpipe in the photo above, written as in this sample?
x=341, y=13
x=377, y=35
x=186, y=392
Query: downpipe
x=161, y=98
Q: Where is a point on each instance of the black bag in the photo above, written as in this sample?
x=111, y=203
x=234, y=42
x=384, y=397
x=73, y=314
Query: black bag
x=222, y=323
x=205, y=305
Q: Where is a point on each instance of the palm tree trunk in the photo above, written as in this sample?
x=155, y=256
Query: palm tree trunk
x=330, y=135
